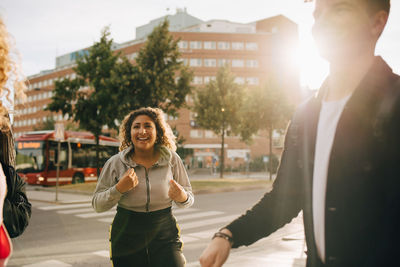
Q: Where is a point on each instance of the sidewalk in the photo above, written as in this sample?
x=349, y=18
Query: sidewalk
x=207, y=174
x=284, y=248
x=49, y=196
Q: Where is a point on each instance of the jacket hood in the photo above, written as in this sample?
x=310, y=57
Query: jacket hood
x=125, y=156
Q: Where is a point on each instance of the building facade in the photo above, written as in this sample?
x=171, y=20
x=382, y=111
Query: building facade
x=255, y=52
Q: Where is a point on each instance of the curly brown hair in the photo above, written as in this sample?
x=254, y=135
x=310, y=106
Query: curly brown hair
x=165, y=136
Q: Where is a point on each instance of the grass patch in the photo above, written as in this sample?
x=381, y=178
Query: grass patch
x=218, y=184
x=209, y=185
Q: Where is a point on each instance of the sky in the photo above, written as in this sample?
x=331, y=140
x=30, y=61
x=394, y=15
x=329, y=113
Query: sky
x=44, y=29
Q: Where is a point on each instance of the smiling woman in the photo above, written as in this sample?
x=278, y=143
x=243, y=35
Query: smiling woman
x=145, y=178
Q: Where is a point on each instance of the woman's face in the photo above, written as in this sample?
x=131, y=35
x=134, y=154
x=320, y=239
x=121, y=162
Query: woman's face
x=143, y=133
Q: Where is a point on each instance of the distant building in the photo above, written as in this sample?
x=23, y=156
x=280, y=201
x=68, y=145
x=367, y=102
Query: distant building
x=255, y=52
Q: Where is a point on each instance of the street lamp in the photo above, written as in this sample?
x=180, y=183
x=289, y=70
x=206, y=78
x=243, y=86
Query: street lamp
x=223, y=144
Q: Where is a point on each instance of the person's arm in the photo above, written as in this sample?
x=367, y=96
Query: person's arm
x=181, y=178
x=17, y=209
x=273, y=211
x=106, y=194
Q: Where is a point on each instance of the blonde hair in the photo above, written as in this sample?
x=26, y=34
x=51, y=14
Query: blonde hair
x=165, y=136
x=9, y=72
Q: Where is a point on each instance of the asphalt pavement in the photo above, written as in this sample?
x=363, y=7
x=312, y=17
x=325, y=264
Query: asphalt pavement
x=283, y=248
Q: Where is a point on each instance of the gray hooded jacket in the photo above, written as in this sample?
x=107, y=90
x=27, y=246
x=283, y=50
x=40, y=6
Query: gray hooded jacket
x=151, y=193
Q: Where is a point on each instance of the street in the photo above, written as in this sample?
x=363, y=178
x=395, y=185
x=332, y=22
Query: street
x=74, y=235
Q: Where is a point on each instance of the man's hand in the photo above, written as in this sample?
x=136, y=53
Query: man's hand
x=128, y=181
x=216, y=252
x=176, y=192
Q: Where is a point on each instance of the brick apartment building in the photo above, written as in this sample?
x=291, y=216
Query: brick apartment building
x=255, y=51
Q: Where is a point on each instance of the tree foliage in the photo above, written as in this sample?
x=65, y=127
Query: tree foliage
x=264, y=108
x=161, y=78
x=217, y=106
x=107, y=86
x=91, y=99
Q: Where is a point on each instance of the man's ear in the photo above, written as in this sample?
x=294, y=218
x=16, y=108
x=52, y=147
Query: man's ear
x=378, y=23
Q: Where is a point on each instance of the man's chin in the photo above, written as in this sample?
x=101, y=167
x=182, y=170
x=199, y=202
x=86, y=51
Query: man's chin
x=333, y=55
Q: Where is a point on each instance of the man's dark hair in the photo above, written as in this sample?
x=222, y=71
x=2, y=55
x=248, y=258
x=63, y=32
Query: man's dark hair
x=377, y=5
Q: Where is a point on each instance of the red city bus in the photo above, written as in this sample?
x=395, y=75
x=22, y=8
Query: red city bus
x=37, y=155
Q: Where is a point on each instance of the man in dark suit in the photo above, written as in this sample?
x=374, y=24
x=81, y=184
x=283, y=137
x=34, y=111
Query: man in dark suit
x=341, y=162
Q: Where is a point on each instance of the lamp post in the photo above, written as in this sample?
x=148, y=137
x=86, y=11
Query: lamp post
x=223, y=144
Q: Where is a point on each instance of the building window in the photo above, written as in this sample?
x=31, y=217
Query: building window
x=223, y=45
x=132, y=56
x=207, y=79
x=251, y=46
x=195, y=45
x=209, y=134
x=238, y=63
x=222, y=62
x=210, y=45
x=197, y=80
x=196, y=134
x=252, y=80
x=237, y=45
x=210, y=62
x=188, y=98
x=195, y=62
x=239, y=80
x=183, y=60
x=183, y=44
x=252, y=63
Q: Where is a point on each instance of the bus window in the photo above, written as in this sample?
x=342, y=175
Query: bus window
x=84, y=155
x=53, y=156
x=29, y=156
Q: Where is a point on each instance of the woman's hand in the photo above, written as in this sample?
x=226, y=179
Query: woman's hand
x=176, y=192
x=128, y=181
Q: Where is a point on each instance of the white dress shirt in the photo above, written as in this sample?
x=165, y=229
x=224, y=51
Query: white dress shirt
x=327, y=123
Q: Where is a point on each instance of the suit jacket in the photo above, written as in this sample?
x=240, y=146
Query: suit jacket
x=363, y=184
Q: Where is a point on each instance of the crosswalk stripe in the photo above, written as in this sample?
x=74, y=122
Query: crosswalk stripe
x=106, y=220
x=94, y=215
x=177, y=211
x=201, y=223
x=197, y=215
x=188, y=239
x=102, y=253
x=203, y=234
x=49, y=263
x=70, y=206
x=75, y=211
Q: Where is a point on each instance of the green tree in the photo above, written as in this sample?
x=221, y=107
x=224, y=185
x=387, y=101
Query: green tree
x=217, y=107
x=264, y=108
x=45, y=125
x=161, y=79
x=92, y=99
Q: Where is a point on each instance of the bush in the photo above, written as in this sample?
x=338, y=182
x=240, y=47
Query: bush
x=258, y=164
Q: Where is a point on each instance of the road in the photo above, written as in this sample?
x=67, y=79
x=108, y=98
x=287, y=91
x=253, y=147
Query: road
x=74, y=235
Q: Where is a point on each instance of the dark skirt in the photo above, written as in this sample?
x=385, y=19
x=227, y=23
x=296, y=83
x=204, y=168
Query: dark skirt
x=146, y=239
